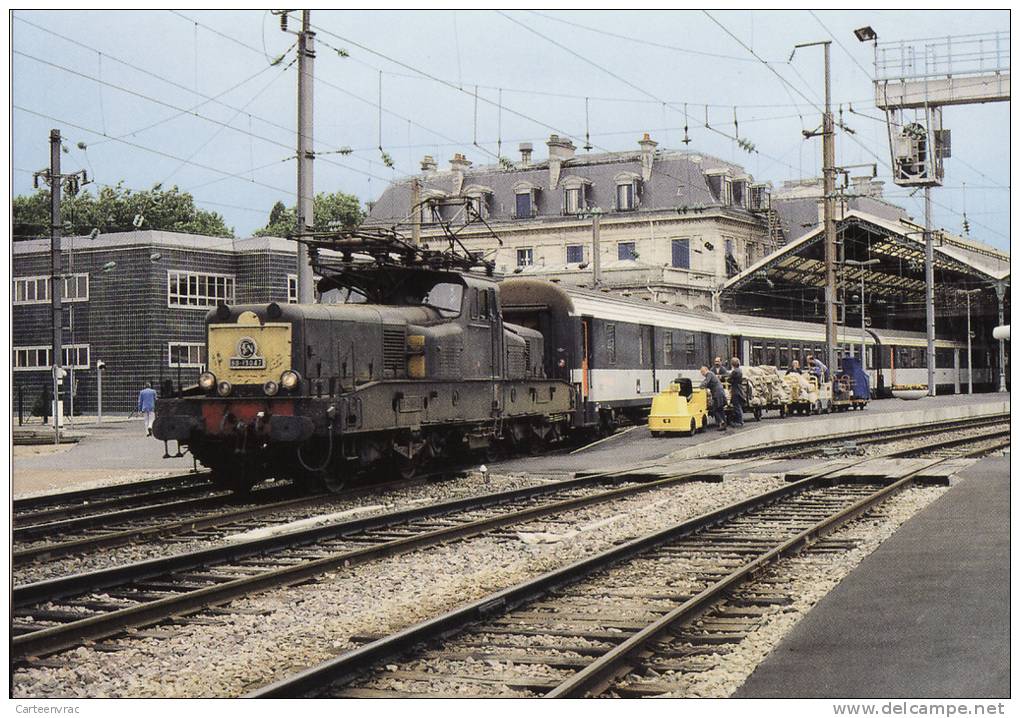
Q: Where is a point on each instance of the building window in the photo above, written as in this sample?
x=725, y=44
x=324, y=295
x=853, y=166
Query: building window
x=191, y=355
x=31, y=290
x=625, y=197
x=626, y=250
x=573, y=200
x=195, y=290
x=76, y=288
x=611, y=343
x=36, y=290
x=35, y=358
x=682, y=253
x=575, y=253
x=292, y=290
x=524, y=205
x=525, y=257
x=748, y=254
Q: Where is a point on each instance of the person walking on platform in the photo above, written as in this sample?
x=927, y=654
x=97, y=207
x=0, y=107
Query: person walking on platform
x=737, y=392
x=715, y=390
x=147, y=406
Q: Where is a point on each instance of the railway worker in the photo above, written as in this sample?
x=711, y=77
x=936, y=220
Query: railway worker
x=737, y=391
x=794, y=367
x=715, y=390
x=147, y=406
x=718, y=369
x=816, y=367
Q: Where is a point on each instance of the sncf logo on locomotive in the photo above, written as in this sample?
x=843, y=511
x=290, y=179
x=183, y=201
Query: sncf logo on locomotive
x=247, y=355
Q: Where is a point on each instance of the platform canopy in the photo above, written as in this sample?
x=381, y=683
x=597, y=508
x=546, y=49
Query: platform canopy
x=790, y=282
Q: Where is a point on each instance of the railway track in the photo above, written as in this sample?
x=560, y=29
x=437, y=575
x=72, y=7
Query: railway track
x=603, y=625
x=189, y=522
x=811, y=445
x=56, y=614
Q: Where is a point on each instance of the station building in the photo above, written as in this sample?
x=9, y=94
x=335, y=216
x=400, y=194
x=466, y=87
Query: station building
x=136, y=301
x=672, y=226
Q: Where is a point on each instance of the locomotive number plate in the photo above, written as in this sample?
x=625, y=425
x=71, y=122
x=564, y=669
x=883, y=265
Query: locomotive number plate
x=248, y=363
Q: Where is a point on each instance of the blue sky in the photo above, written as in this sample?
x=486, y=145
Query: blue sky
x=204, y=108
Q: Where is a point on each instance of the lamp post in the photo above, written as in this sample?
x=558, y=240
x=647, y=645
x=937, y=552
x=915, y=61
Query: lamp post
x=970, y=359
x=864, y=335
x=100, y=365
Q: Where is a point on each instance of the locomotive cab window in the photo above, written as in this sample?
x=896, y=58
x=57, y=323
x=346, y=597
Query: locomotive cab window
x=447, y=296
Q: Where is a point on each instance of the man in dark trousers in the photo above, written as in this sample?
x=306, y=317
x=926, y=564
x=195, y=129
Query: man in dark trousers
x=715, y=390
x=737, y=392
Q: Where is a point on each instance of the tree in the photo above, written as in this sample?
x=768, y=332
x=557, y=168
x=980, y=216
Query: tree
x=115, y=209
x=332, y=210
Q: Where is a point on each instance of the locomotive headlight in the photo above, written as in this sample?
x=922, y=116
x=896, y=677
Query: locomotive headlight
x=223, y=388
x=289, y=379
x=207, y=380
x=270, y=388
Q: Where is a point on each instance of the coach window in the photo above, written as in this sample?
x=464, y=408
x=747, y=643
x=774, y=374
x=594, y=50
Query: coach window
x=784, y=357
x=689, y=351
x=611, y=343
x=770, y=354
x=667, y=348
x=757, y=355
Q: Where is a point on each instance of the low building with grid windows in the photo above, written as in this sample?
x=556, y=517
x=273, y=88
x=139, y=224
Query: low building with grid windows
x=136, y=301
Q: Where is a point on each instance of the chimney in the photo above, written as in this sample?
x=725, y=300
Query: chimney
x=560, y=150
x=459, y=165
x=428, y=164
x=525, y=150
x=648, y=146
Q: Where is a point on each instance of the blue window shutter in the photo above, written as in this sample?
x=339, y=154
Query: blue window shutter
x=682, y=253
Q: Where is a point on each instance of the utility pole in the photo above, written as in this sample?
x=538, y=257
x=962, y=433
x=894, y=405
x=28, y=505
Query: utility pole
x=596, y=249
x=1000, y=295
x=828, y=206
x=929, y=290
x=305, y=154
x=415, y=211
x=56, y=277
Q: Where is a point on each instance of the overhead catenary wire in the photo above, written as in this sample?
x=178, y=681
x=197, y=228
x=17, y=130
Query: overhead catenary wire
x=178, y=108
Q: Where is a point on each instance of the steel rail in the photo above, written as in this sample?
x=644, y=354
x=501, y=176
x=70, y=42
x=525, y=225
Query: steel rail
x=352, y=662
x=58, y=513
x=35, y=502
x=65, y=526
x=906, y=431
x=599, y=675
x=346, y=666
x=55, y=638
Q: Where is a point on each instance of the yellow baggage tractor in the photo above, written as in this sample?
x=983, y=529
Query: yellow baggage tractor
x=679, y=409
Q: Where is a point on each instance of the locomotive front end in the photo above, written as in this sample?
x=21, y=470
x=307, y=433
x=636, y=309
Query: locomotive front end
x=245, y=407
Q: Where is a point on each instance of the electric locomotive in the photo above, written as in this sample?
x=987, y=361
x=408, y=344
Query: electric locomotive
x=406, y=359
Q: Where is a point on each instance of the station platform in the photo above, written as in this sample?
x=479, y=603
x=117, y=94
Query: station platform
x=879, y=414
x=924, y=616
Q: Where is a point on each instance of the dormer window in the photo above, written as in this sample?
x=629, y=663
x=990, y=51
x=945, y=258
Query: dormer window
x=524, y=205
x=625, y=197
x=575, y=195
x=717, y=185
x=524, y=200
x=573, y=200
x=627, y=191
x=478, y=202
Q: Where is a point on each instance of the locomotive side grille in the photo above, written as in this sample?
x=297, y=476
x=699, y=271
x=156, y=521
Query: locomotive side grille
x=394, y=342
